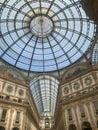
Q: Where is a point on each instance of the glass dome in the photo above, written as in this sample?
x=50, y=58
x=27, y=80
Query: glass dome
x=44, y=36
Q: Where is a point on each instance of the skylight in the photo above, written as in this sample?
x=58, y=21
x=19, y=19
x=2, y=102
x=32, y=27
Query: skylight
x=44, y=35
x=44, y=90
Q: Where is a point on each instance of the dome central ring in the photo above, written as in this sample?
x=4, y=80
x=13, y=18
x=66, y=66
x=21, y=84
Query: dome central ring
x=41, y=26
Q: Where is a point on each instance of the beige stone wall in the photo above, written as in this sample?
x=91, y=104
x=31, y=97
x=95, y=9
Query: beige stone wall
x=14, y=98
x=80, y=91
x=90, y=115
x=12, y=110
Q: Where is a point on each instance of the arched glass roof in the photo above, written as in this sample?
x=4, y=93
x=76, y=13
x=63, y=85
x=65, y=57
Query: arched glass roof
x=44, y=90
x=94, y=59
x=44, y=35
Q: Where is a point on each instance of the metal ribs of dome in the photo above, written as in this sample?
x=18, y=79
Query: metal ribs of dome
x=62, y=36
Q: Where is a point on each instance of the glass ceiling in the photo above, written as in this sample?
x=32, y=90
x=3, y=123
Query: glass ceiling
x=44, y=90
x=44, y=35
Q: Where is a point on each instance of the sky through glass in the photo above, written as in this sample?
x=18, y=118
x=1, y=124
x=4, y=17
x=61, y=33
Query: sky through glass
x=44, y=35
x=44, y=90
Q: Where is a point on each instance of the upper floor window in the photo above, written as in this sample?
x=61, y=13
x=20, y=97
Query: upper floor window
x=96, y=107
x=17, y=117
x=82, y=111
x=70, y=114
x=3, y=116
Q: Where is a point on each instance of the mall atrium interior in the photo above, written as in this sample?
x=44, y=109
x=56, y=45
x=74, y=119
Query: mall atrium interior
x=48, y=65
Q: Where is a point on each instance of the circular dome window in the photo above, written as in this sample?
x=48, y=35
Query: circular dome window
x=44, y=36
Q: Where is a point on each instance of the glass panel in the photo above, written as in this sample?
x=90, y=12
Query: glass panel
x=95, y=54
x=44, y=90
x=39, y=36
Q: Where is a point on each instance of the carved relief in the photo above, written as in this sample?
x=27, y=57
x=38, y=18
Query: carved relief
x=9, y=89
x=66, y=90
x=76, y=86
x=88, y=81
x=21, y=92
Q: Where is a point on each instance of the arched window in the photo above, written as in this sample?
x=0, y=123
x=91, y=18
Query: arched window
x=47, y=123
x=2, y=128
x=15, y=128
x=86, y=126
x=70, y=114
x=82, y=111
x=72, y=127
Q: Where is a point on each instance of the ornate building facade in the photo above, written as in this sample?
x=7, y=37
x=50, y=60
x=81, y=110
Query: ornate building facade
x=79, y=95
x=17, y=111
x=48, y=65
x=77, y=104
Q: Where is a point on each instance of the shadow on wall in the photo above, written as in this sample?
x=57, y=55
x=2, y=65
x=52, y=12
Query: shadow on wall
x=2, y=128
x=72, y=127
x=86, y=126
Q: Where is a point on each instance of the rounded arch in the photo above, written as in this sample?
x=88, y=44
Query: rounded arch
x=2, y=128
x=72, y=127
x=75, y=70
x=39, y=87
x=86, y=126
x=15, y=128
x=12, y=73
